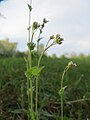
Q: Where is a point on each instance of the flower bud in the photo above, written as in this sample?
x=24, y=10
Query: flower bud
x=71, y=64
x=44, y=20
x=35, y=25
x=52, y=37
x=58, y=40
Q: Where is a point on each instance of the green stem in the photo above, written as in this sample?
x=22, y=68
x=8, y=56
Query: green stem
x=62, y=95
x=38, y=43
x=36, y=105
x=28, y=90
x=29, y=81
x=40, y=58
x=31, y=95
x=28, y=97
x=62, y=78
x=29, y=22
x=44, y=52
x=61, y=107
x=32, y=36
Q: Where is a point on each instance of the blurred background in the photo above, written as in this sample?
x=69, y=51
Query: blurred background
x=69, y=18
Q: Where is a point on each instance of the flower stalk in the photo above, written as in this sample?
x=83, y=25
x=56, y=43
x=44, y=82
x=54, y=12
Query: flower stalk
x=62, y=89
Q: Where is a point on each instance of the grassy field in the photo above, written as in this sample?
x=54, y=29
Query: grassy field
x=13, y=94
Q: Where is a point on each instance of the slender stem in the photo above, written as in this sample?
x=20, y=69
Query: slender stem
x=29, y=81
x=43, y=52
x=28, y=89
x=29, y=22
x=61, y=107
x=31, y=95
x=32, y=36
x=62, y=95
x=62, y=78
x=36, y=105
x=49, y=46
x=40, y=58
x=28, y=97
x=29, y=40
x=28, y=94
x=38, y=43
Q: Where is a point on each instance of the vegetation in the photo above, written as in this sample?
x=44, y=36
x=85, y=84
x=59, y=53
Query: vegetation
x=13, y=89
x=7, y=48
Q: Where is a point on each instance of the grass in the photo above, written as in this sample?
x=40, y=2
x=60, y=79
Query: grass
x=77, y=80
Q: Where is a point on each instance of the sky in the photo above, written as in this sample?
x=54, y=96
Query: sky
x=69, y=18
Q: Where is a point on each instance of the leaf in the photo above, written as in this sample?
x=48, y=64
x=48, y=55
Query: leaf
x=47, y=114
x=16, y=111
x=39, y=39
x=30, y=7
x=34, y=71
x=87, y=95
x=45, y=21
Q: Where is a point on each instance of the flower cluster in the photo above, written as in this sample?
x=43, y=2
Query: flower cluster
x=57, y=39
x=71, y=64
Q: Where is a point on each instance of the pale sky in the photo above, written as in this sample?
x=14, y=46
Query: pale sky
x=70, y=18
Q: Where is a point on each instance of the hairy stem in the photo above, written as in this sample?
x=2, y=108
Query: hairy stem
x=62, y=94
x=38, y=43
x=29, y=81
x=36, y=105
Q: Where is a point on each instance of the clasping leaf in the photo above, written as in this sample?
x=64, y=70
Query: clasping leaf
x=33, y=72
